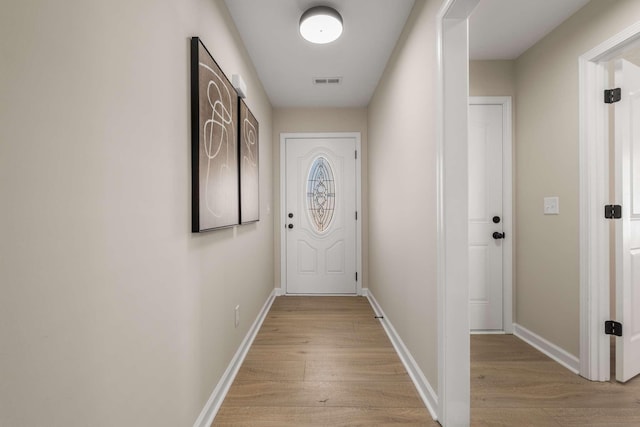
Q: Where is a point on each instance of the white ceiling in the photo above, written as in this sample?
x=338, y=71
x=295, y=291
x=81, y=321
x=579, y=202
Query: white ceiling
x=287, y=64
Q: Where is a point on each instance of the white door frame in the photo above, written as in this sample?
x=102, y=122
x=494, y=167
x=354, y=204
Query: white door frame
x=454, y=389
x=283, y=201
x=507, y=204
x=594, y=194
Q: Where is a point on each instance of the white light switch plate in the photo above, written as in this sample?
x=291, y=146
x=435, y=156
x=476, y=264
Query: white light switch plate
x=552, y=205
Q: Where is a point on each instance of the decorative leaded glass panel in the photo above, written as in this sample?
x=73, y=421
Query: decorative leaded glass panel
x=321, y=194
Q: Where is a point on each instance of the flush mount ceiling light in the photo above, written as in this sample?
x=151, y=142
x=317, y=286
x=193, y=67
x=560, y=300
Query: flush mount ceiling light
x=320, y=25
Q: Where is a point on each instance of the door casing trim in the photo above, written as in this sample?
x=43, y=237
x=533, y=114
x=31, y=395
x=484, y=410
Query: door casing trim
x=594, y=194
x=452, y=218
x=283, y=200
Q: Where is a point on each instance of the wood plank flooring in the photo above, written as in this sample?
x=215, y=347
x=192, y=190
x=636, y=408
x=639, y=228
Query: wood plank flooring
x=327, y=361
x=322, y=361
x=512, y=384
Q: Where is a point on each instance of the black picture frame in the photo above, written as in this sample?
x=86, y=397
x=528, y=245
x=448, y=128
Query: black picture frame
x=249, y=164
x=215, y=191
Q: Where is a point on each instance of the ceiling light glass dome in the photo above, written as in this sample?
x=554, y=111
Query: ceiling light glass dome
x=320, y=25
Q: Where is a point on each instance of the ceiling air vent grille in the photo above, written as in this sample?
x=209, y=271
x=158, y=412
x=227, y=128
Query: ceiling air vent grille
x=327, y=80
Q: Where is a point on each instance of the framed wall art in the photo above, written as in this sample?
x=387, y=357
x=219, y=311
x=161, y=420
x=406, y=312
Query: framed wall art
x=214, y=144
x=249, y=165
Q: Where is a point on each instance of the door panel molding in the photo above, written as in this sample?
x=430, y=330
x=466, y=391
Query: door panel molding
x=627, y=154
x=356, y=136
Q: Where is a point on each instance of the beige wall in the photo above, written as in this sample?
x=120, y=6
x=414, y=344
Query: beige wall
x=492, y=78
x=547, y=165
x=291, y=120
x=111, y=312
x=402, y=188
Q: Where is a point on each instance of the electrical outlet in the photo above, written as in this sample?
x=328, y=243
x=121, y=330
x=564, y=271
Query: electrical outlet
x=237, y=315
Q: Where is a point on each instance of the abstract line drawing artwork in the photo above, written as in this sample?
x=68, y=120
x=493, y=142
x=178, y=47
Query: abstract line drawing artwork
x=321, y=194
x=249, y=166
x=214, y=145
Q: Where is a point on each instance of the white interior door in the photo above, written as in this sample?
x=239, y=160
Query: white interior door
x=320, y=216
x=486, y=233
x=627, y=182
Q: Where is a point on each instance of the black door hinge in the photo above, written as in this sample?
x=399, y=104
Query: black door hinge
x=356, y=276
x=356, y=154
x=612, y=95
x=612, y=327
x=612, y=211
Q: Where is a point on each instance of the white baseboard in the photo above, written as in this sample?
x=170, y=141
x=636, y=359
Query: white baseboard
x=279, y=292
x=425, y=390
x=561, y=356
x=222, y=388
x=481, y=332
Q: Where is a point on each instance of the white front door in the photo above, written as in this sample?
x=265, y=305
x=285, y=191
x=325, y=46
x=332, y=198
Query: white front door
x=627, y=183
x=320, y=210
x=486, y=216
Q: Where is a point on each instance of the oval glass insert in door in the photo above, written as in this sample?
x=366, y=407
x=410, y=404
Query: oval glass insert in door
x=321, y=194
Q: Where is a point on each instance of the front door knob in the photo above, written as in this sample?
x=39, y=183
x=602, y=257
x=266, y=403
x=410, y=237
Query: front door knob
x=497, y=235
x=290, y=226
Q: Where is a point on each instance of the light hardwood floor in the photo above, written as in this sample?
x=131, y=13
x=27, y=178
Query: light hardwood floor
x=512, y=384
x=327, y=361
x=322, y=361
